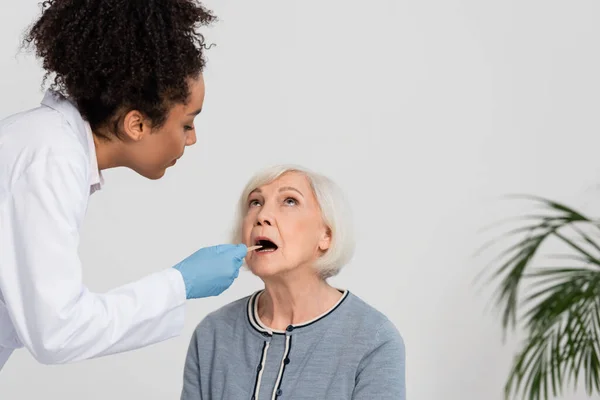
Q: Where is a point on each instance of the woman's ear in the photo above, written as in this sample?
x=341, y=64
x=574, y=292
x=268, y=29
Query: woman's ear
x=135, y=126
x=325, y=241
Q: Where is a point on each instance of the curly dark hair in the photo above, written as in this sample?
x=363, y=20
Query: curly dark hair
x=112, y=56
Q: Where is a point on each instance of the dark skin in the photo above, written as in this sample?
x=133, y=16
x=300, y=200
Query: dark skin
x=134, y=71
x=147, y=151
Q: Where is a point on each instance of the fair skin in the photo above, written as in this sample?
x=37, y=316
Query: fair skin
x=287, y=213
x=148, y=151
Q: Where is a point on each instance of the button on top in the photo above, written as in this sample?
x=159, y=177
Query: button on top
x=289, y=328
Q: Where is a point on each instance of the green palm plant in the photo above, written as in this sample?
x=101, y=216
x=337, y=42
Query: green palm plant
x=557, y=307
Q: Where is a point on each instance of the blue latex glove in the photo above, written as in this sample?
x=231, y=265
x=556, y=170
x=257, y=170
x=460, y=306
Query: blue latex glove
x=211, y=270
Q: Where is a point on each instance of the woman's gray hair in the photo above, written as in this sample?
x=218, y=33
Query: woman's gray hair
x=335, y=211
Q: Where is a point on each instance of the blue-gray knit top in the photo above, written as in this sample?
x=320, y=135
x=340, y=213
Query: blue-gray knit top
x=351, y=352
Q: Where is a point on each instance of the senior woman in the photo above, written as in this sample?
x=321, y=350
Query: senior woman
x=299, y=338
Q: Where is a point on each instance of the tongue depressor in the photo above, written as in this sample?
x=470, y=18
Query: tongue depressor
x=253, y=248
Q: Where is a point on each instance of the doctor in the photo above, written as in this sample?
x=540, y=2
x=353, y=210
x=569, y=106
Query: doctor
x=127, y=86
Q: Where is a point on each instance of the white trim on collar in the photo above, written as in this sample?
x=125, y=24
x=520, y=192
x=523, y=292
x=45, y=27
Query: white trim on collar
x=256, y=322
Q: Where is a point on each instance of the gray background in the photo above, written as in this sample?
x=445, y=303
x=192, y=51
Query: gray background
x=423, y=111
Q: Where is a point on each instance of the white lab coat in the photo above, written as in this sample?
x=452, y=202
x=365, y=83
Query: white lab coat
x=48, y=169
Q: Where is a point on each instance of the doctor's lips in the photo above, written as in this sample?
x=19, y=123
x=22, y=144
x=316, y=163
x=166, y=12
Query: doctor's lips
x=267, y=245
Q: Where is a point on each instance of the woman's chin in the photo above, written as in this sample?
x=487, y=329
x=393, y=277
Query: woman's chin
x=265, y=270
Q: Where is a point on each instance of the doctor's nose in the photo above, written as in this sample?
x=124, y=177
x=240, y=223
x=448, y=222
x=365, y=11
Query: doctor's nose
x=191, y=138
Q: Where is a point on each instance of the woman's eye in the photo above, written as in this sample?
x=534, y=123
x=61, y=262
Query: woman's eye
x=254, y=203
x=290, y=201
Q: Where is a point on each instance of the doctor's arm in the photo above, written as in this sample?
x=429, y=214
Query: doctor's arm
x=381, y=373
x=57, y=318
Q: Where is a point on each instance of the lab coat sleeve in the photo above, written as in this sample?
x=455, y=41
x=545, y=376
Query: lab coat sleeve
x=56, y=317
x=381, y=373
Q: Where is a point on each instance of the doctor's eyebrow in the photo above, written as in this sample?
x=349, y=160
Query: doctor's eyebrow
x=198, y=111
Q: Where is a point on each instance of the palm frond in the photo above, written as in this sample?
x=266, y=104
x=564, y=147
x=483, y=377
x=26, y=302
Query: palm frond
x=561, y=314
x=563, y=328
x=517, y=258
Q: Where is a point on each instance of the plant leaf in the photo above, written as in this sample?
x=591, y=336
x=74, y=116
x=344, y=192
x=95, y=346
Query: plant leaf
x=562, y=313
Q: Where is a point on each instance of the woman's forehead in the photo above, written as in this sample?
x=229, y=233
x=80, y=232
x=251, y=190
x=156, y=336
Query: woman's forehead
x=289, y=180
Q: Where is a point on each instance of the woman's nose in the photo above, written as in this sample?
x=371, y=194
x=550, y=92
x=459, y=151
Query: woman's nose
x=264, y=218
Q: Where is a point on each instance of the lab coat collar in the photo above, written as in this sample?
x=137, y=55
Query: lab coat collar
x=68, y=109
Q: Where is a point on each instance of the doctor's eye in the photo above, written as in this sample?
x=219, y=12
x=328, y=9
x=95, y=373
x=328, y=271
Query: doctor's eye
x=188, y=128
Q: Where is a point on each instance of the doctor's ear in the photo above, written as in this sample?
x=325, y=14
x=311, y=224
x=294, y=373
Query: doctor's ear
x=135, y=126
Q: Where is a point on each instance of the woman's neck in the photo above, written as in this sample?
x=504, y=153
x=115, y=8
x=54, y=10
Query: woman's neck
x=292, y=302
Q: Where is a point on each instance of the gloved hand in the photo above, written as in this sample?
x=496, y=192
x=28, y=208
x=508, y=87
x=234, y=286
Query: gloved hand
x=211, y=270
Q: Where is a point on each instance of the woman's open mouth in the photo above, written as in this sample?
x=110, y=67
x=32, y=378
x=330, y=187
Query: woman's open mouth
x=267, y=246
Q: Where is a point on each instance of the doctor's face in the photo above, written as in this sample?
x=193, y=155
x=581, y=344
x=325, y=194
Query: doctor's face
x=285, y=217
x=158, y=149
